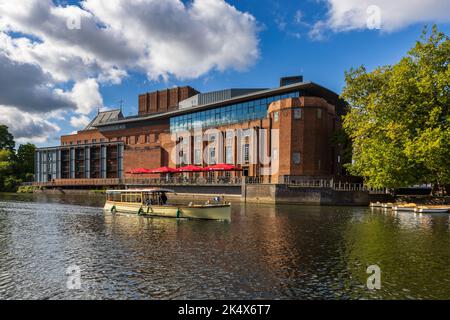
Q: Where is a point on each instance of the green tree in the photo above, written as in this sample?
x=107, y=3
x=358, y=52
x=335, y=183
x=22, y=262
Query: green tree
x=6, y=138
x=25, y=161
x=6, y=167
x=399, y=119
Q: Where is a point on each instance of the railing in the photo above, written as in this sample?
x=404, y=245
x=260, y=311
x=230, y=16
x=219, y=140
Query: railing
x=257, y=180
x=171, y=181
x=177, y=181
x=335, y=185
x=78, y=182
x=230, y=181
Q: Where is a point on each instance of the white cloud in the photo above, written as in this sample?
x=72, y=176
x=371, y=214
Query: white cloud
x=346, y=15
x=79, y=122
x=27, y=127
x=85, y=94
x=161, y=39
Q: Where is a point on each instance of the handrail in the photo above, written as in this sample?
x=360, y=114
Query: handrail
x=230, y=181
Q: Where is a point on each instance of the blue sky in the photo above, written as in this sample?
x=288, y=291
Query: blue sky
x=285, y=45
x=282, y=53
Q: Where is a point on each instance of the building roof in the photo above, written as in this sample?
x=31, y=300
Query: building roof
x=310, y=87
x=105, y=117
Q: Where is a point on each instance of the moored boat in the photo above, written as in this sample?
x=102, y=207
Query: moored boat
x=375, y=204
x=388, y=205
x=409, y=207
x=154, y=202
x=432, y=209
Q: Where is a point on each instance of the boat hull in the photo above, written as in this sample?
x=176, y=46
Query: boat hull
x=432, y=210
x=206, y=212
x=404, y=209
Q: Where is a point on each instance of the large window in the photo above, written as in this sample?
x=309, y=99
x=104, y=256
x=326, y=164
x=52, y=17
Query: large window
x=229, y=154
x=251, y=110
x=212, y=155
x=246, y=153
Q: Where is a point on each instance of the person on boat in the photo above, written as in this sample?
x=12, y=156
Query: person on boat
x=163, y=199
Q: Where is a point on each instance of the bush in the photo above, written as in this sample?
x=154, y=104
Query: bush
x=26, y=189
x=11, y=184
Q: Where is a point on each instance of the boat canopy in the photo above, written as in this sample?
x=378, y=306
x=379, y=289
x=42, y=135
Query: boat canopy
x=140, y=191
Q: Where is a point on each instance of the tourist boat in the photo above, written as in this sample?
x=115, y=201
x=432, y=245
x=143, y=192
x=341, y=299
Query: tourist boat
x=409, y=207
x=431, y=209
x=154, y=202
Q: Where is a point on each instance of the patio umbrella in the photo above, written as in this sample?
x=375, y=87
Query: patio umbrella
x=190, y=168
x=163, y=170
x=139, y=171
x=222, y=167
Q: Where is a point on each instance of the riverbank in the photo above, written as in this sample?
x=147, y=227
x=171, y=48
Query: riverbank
x=269, y=194
x=424, y=200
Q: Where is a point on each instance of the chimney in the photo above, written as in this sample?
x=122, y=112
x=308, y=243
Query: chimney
x=285, y=81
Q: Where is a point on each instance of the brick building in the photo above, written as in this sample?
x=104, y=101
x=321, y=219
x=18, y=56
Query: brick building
x=272, y=134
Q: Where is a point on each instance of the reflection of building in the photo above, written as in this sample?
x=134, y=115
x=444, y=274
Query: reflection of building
x=304, y=116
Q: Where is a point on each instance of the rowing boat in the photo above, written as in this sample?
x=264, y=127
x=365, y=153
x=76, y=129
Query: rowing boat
x=431, y=209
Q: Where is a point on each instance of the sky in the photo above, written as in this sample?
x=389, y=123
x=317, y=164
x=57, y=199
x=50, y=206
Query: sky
x=62, y=61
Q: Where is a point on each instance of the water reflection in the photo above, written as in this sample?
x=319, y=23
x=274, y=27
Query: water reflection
x=264, y=252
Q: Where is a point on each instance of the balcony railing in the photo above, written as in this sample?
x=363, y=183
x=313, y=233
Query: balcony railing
x=210, y=181
x=335, y=185
x=178, y=181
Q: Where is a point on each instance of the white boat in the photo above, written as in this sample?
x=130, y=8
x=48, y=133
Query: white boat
x=432, y=210
x=388, y=205
x=410, y=207
x=375, y=204
x=154, y=202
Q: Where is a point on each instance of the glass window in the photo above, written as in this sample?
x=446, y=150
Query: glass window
x=212, y=155
x=319, y=113
x=276, y=116
x=297, y=113
x=296, y=158
x=229, y=155
x=246, y=153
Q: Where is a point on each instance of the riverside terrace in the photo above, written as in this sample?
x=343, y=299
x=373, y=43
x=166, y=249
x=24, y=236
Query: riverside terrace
x=304, y=116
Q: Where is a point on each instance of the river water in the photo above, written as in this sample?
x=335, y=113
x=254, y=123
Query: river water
x=265, y=252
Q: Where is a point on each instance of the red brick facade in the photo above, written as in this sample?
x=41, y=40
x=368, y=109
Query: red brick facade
x=305, y=127
x=163, y=101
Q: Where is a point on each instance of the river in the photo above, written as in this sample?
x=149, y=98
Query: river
x=265, y=252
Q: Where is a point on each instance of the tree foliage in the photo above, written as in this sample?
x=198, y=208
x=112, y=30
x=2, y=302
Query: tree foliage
x=6, y=138
x=14, y=167
x=25, y=160
x=399, y=120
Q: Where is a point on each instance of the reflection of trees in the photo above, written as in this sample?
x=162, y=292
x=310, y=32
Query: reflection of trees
x=412, y=252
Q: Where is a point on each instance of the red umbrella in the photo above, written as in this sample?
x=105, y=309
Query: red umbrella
x=222, y=167
x=163, y=170
x=190, y=168
x=139, y=171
